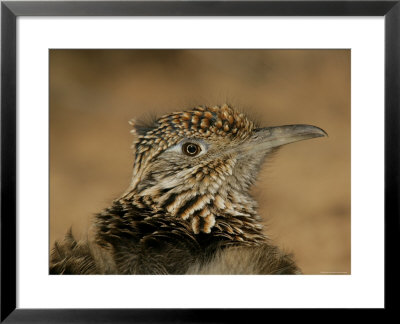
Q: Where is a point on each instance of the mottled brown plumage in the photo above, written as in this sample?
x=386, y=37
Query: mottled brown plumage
x=188, y=208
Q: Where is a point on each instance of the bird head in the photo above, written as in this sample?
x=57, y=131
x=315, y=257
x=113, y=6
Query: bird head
x=199, y=165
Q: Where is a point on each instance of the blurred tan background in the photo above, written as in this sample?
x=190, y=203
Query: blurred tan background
x=304, y=193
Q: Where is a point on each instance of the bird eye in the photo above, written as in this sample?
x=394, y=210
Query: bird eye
x=191, y=149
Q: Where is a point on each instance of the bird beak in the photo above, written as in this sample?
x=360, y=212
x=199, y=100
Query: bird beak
x=265, y=139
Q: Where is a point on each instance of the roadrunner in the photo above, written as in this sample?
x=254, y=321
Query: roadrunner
x=188, y=209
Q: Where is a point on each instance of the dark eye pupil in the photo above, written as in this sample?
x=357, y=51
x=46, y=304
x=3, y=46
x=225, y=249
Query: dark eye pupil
x=191, y=149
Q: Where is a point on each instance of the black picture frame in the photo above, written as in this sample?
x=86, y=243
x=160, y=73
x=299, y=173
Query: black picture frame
x=10, y=10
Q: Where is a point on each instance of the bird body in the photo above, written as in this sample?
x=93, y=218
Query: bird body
x=188, y=209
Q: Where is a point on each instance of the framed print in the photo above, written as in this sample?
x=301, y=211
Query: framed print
x=223, y=79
